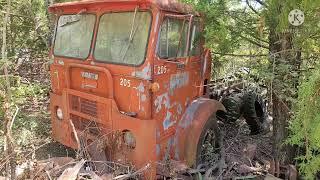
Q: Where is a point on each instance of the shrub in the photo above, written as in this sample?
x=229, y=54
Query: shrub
x=305, y=126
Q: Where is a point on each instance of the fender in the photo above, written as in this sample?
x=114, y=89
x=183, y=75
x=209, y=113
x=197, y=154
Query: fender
x=190, y=127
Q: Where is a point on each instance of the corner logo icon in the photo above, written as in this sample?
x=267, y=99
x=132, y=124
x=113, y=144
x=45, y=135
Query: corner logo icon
x=296, y=17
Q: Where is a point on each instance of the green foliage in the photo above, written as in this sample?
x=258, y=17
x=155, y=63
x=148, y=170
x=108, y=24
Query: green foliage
x=305, y=127
x=28, y=30
x=232, y=28
x=28, y=124
x=236, y=27
x=229, y=24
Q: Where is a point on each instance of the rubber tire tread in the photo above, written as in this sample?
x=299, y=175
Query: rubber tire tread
x=233, y=106
x=211, y=123
x=253, y=119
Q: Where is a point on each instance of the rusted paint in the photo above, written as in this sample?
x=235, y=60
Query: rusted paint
x=167, y=5
x=178, y=81
x=141, y=94
x=157, y=22
x=145, y=73
x=190, y=127
x=162, y=100
x=165, y=120
x=188, y=117
x=158, y=149
x=168, y=121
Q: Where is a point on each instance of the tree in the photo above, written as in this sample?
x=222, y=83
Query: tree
x=262, y=25
x=8, y=115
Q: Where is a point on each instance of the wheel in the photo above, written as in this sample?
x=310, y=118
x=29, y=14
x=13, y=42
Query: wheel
x=233, y=105
x=208, y=146
x=254, y=112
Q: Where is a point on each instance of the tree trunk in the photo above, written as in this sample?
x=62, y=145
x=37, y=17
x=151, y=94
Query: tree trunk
x=8, y=117
x=282, y=53
x=51, y=21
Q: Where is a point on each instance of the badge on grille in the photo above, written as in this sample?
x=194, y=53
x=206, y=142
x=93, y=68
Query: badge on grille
x=90, y=75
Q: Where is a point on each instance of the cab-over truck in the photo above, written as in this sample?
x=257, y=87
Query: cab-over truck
x=138, y=67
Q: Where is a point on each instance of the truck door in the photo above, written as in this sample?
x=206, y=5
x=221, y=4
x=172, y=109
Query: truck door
x=176, y=78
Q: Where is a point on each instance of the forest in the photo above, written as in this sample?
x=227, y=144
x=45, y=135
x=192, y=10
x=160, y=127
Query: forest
x=255, y=42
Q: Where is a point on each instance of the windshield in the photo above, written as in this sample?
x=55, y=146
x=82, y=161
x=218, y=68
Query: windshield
x=74, y=35
x=122, y=37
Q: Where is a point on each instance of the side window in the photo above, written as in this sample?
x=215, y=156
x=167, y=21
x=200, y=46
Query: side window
x=195, y=45
x=173, y=38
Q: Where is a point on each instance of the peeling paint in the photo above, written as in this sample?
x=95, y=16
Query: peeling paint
x=178, y=80
x=144, y=74
x=140, y=88
x=186, y=121
x=158, y=148
x=143, y=98
x=188, y=116
x=162, y=100
x=140, y=93
x=157, y=22
x=168, y=122
x=179, y=109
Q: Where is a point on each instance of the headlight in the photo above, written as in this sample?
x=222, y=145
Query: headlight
x=59, y=113
x=129, y=139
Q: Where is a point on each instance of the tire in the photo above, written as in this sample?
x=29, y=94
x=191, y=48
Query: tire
x=233, y=106
x=254, y=111
x=208, y=145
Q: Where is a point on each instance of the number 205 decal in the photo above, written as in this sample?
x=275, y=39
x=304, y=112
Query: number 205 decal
x=125, y=82
x=160, y=70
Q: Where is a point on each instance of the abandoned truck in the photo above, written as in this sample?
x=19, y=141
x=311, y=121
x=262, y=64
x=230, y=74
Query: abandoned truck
x=138, y=68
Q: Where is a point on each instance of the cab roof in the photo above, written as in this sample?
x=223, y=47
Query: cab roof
x=167, y=5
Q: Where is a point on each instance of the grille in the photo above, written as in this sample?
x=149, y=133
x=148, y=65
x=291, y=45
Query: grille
x=84, y=106
x=84, y=124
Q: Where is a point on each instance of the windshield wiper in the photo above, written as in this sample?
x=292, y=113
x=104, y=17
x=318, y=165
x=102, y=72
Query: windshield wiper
x=73, y=18
x=132, y=33
x=69, y=23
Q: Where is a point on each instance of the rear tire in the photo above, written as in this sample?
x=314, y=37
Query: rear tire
x=233, y=105
x=254, y=112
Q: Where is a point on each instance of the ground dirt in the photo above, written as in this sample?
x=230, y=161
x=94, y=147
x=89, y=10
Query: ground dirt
x=246, y=154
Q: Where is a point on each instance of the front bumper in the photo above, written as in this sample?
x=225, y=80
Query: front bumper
x=104, y=114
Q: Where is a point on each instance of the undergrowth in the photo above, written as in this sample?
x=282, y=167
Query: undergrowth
x=32, y=121
x=305, y=127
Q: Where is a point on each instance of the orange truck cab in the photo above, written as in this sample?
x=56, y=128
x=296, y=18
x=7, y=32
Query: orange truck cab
x=137, y=67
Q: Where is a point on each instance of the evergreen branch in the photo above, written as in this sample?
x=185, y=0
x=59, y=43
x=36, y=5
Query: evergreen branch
x=241, y=55
x=253, y=42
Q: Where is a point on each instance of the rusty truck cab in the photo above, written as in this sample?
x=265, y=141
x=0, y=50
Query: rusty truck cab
x=137, y=67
